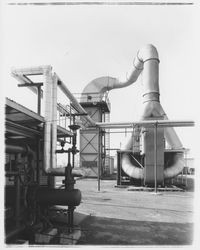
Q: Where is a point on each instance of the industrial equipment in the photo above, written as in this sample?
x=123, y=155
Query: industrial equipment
x=31, y=166
x=155, y=162
x=153, y=154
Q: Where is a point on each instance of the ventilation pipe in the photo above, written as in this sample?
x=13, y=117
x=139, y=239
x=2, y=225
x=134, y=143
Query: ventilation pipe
x=147, y=63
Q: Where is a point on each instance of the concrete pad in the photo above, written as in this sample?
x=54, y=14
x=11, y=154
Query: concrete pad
x=107, y=231
x=117, y=216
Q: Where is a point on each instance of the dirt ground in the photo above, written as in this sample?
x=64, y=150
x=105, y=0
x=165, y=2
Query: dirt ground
x=116, y=216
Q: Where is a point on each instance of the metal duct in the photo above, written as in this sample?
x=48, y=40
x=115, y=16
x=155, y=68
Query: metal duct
x=107, y=83
x=147, y=63
x=176, y=166
x=149, y=59
x=130, y=169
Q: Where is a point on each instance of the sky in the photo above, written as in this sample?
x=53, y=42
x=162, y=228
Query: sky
x=86, y=42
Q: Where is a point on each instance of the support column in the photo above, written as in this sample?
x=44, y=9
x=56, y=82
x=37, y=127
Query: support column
x=99, y=159
x=154, y=156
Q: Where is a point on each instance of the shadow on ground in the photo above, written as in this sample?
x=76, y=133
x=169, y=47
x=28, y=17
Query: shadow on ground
x=109, y=231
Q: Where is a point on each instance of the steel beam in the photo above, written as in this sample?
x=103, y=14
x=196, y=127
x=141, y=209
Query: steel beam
x=21, y=130
x=24, y=110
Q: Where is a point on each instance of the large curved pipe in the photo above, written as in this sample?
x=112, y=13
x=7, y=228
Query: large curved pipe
x=176, y=166
x=147, y=63
x=103, y=84
x=130, y=169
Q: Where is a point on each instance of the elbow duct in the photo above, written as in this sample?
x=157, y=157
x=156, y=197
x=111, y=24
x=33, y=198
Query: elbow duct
x=175, y=167
x=130, y=169
x=145, y=63
x=106, y=83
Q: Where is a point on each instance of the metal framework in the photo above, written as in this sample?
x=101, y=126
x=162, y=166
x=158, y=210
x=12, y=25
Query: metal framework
x=21, y=121
x=152, y=123
x=26, y=137
x=92, y=140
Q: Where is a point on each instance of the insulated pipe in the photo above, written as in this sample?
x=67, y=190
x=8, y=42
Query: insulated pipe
x=48, y=119
x=50, y=125
x=147, y=123
x=50, y=130
x=18, y=149
x=54, y=121
x=46, y=196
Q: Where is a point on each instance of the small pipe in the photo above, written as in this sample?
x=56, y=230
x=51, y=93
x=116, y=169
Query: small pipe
x=11, y=173
x=39, y=100
x=38, y=161
x=17, y=195
x=155, y=157
x=17, y=200
x=99, y=159
x=137, y=161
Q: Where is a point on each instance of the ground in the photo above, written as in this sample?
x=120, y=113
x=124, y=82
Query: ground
x=116, y=216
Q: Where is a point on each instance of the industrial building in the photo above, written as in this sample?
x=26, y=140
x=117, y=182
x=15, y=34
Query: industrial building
x=39, y=194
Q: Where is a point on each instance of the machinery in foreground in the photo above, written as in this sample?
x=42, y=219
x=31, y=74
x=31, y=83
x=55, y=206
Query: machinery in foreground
x=32, y=197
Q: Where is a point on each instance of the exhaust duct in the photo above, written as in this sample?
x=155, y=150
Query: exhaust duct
x=146, y=63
